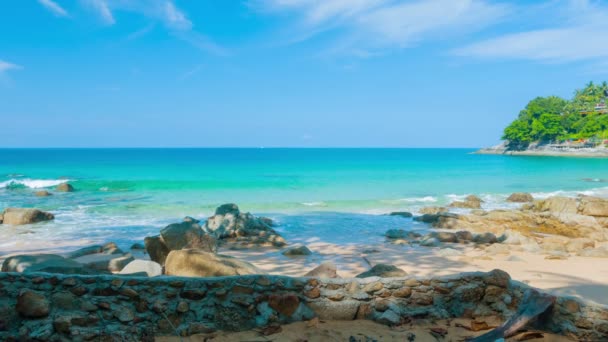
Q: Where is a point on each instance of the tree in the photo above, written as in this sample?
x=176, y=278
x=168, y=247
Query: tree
x=518, y=134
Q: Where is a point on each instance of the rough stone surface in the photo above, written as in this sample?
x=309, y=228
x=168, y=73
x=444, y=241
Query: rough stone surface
x=405, y=214
x=64, y=187
x=520, y=197
x=157, y=250
x=199, y=263
x=42, y=193
x=143, y=267
x=32, y=304
x=325, y=270
x=19, y=216
x=384, y=271
x=297, y=251
x=189, y=234
x=42, y=263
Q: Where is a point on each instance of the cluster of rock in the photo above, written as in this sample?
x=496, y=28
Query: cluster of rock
x=556, y=225
x=20, y=216
x=435, y=239
x=63, y=187
x=470, y=202
x=59, y=307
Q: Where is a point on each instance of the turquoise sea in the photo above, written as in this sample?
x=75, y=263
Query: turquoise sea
x=337, y=195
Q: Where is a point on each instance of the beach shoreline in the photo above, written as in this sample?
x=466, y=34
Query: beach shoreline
x=547, y=151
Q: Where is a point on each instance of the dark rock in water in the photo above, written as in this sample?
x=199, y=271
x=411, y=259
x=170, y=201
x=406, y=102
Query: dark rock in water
x=177, y=236
x=427, y=218
x=229, y=208
x=19, y=216
x=85, y=251
x=230, y=225
x=383, y=271
x=297, y=251
x=64, y=187
x=433, y=210
x=464, y=236
x=32, y=304
x=199, y=263
x=191, y=220
x=105, y=262
x=42, y=193
x=401, y=234
x=156, y=249
x=42, y=263
x=268, y=221
x=520, y=197
x=325, y=270
x=405, y=214
x=444, y=236
x=137, y=246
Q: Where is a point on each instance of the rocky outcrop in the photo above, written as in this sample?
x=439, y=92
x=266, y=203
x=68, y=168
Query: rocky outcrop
x=383, y=271
x=19, y=216
x=42, y=193
x=130, y=308
x=200, y=263
x=405, y=214
x=230, y=226
x=297, y=251
x=470, y=202
x=43, y=263
x=433, y=210
x=64, y=187
x=520, y=197
x=187, y=234
x=156, y=248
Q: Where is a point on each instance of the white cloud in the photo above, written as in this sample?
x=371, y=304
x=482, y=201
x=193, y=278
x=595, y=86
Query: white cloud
x=579, y=33
x=176, y=18
x=54, y=7
x=103, y=10
x=6, y=66
x=384, y=24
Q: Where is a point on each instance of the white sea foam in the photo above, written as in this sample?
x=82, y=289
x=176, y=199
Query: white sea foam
x=314, y=204
x=32, y=183
x=425, y=199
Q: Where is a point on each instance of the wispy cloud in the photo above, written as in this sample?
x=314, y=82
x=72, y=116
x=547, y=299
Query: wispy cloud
x=6, y=66
x=578, y=33
x=54, y=8
x=367, y=26
x=103, y=10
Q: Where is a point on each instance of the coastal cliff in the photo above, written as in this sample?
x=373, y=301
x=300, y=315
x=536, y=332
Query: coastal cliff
x=552, y=150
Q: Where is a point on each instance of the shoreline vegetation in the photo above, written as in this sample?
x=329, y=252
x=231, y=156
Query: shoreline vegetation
x=552, y=126
x=237, y=265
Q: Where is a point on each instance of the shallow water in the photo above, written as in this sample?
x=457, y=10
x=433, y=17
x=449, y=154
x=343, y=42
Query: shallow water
x=334, y=195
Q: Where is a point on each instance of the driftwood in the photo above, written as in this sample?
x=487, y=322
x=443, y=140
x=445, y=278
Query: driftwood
x=533, y=305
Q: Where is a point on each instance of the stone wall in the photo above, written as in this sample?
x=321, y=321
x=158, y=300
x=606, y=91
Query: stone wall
x=63, y=307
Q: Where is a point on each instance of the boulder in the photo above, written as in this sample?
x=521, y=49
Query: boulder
x=433, y=210
x=520, y=197
x=430, y=242
x=599, y=252
x=229, y=225
x=401, y=234
x=42, y=193
x=485, y=238
x=19, y=216
x=85, y=251
x=137, y=246
x=470, y=202
x=200, y=263
x=182, y=235
x=143, y=267
x=156, y=249
x=297, y=251
x=190, y=220
x=64, y=187
x=593, y=206
x=325, y=270
x=105, y=262
x=383, y=271
x=405, y=214
x=32, y=304
x=443, y=236
x=556, y=204
x=42, y=263
x=464, y=236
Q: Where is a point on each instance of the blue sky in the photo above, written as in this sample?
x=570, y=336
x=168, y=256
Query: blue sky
x=433, y=73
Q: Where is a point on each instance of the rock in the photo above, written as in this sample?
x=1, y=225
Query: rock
x=105, y=262
x=487, y=238
x=593, y=206
x=470, y=202
x=156, y=249
x=178, y=236
x=473, y=198
x=297, y=251
x=137, y=246
x=383, y=271
x=85, y=251
x=231, y=226
x=64, y=187
x=42, y=263
x=42, y=193
x=286, y=304
x=430, y=242
x=444, y=236
x=556, y=257
x=150, y=268
x=401, y=234
x=464, y=236
x=19, y=216
x=199, y=263
x=433, y=210
x=189, y=219
x=520, y=197
x=556, y=204
x=32, y=304
x=343, y=310
x=389, y=317
x=325, y=270
x=405, y=214
x=600, y=252
x=229, y=208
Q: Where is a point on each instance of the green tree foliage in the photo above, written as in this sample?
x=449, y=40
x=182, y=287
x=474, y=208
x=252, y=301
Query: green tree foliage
x=550, y=119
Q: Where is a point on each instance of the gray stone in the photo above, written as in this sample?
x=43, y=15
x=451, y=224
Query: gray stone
x=383, y=271
x=178, y=236
x=297, y=251
x=430, y=242
x=64, y=187
x=328, y=310
x=42, y=193
x=32, y=304
x=325, y=270
x=85, y=251
x=228, y=208
x=405, y=214
x=42, y=263
x=389, y=317
x=156, y=248
x=19, y=216
x=520, y=197
x=486, y=238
